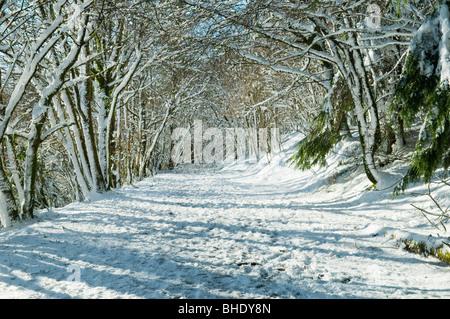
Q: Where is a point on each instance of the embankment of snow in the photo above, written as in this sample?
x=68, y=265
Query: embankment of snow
x=342, y=179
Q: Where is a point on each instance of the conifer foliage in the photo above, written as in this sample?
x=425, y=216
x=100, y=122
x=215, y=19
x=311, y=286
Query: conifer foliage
x=423, y=94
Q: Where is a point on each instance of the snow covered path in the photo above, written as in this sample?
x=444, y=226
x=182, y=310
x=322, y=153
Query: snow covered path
x=225, y=234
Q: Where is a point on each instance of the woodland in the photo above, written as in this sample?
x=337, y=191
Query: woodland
x=92, y=90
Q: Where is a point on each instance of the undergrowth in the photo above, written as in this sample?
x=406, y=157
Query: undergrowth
x=422, y=249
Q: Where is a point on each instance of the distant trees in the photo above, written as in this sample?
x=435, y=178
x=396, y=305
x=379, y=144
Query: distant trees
x=353, y=50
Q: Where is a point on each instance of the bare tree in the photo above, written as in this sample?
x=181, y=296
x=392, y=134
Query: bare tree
x=344, y=38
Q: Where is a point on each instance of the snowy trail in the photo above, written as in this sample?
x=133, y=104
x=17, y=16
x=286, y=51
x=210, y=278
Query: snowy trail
x=226, y=234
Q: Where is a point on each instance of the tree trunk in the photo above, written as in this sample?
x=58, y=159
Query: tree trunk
x=94, y=163
x=13, y=168
x=368, y=160
x=8, y=208
x=148, y=154
x=365, y=109
x=27, y=207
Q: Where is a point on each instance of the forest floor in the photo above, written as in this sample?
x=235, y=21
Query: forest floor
x=245, y=231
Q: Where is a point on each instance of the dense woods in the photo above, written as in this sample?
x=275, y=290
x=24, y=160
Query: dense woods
x=91, y=91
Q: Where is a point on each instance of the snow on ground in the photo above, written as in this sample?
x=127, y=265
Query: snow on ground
x=245, y=231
